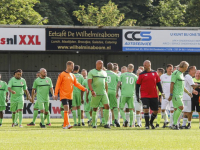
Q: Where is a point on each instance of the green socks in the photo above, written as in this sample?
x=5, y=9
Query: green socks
x=87, y=115
x=20, y=117
x=47, y=117
x=123, y=115
x=131, y=117
x=13, y=118
x=35, y=113
x=94, y=114
x=177, y=114
x=115, y=111
x=79, y=115
x=158, y=118
x=106, y=115
x=62, y=113
x=74, y=115
x=16, y=116
x=42, y=118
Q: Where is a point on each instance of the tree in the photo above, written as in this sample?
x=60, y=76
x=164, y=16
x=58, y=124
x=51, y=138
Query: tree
x=59, y=12
x=193, y=13
x=171, y=13
x=107, y=15
x=19, y=12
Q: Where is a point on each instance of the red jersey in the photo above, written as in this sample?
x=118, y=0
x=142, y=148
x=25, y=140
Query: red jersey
x=148, y=81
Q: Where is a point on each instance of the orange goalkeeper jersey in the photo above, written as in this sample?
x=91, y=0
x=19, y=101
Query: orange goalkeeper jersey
x=65, y=84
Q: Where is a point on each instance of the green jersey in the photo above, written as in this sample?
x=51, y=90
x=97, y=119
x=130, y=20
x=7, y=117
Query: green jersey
x=128, y=81
x=43, y=87
x=17, y=85
x=85, y=84
x=98, y=81
x=3, y=91
x=80, y=79
x=178, y=79
x=112, y=80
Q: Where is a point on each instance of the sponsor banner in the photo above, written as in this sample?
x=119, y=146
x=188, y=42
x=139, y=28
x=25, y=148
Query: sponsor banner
x=84, y=39
x=22, y=39
x=161, y=40
x=54, y=109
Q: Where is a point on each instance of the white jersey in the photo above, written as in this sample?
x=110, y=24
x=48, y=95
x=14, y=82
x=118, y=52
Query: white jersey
x=166, y=81
x=188, y=82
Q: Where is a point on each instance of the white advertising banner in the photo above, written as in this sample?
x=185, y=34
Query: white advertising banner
x=22, y=39
x=161, y=40
x=54, y=108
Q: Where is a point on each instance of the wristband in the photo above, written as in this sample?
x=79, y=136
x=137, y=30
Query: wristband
x=171, y=94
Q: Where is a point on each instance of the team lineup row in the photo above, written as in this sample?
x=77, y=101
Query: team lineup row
x=109, y=90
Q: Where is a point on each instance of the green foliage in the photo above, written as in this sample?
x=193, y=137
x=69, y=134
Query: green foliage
x=19, y=12
x=107, y=15
x=193, y=13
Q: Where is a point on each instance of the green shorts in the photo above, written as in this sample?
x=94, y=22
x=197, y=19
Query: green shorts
x=43, y=106
x=128, y=100
x=87, y=105
x=2, y=108
x=112, y=99
x=76, y=100
x=95, y=101
x=36, y=105
x=14, y=106
x=177, y=101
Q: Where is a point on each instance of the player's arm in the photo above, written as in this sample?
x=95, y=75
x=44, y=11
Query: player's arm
x=7, y=96
x=33, y=94
x=82, y=97
x=57, y=88
x=106, y=86
x=52, y=93
x=78, y=85
x=186, y=91
x=28, y=95
x=9, y=87
x=160, y=89
x=118, y=86
x=87, y=94
x=137, y=92
x=171, y=91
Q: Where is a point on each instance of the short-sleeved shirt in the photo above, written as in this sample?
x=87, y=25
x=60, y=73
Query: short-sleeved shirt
x=178, y=80
x=128, y=81
x=85, y=84
x=196, y=97
x=98, y=81
x=148, y=82
x=188, y=82
x=80, y=79
x=17, y=85
x=166, y=82
x=43, y=86
x=112, y=80
x=3, y=91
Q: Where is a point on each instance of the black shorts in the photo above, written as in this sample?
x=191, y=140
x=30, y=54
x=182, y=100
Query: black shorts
x=67, y=102
x=150, y=102
x=159, y=101
x=195, y=106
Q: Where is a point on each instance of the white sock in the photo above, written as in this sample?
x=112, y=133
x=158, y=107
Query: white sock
x=82, y=120
x=138, y=119
x=163, y=115
x=110, y=121
x=189, y=122
x=184, y=121
x=119, y=117
x=134, y=116
x=171, y=119
x=128, y=116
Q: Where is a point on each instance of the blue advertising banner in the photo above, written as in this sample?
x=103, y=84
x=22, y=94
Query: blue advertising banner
x=161, y=40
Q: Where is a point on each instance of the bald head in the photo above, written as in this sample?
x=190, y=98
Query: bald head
x=147, y=65
x=110, y=66
x=99, y=64
x=43, y=72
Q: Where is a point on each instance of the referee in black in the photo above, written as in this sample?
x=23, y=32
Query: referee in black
x=147, y=84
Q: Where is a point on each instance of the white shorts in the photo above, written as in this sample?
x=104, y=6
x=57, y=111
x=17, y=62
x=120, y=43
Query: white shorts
x=167, y=105
x=187, y=106
x=82, y=107
x=138, y=106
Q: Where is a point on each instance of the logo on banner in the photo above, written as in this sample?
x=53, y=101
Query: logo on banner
x=138, y=36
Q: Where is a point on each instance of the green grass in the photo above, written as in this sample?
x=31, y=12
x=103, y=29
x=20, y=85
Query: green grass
x=55, y=137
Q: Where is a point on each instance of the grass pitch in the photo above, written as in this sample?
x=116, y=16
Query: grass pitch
x=55, y=137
